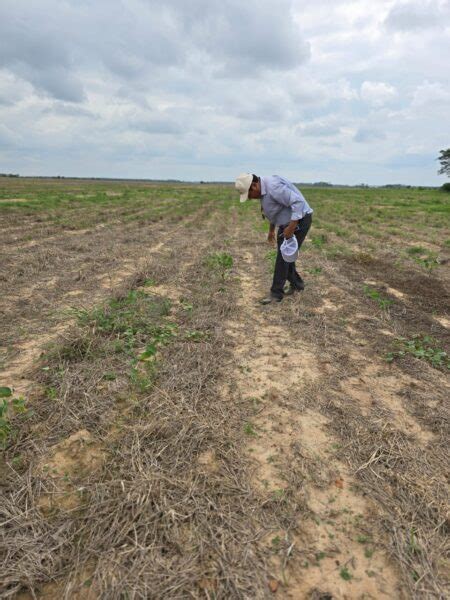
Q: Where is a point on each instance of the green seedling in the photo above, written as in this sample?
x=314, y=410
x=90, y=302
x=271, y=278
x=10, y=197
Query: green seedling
x=314, y=270
x=109, y=376
x=423, y=257
x=18, y=405
x=320, y=556
x=8, y=407
x=276, y=541
x=220, y=261
x=414, y=250
x=279, y=493
x=51, y=393
x=17, y=461
x=197, y=336
x=161, y=336
x=318, y=241
x=374, y=294
x=186, y=305
x=413, y=545
x=249, y=429
x=422, y=347
x=271, y=257
x=5, y=427
x=362, y=539
x=345, y=574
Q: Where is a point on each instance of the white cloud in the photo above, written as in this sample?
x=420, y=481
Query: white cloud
x=418, y=15
x=203, y=89
x=431, y=94
x=377, y=93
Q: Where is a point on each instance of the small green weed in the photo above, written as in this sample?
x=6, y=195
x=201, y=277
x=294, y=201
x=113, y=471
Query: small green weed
x=249, y=429
x=8, y=406
x=345, y=574
x=362, y=539
x=415, y=250
x=186, y=305
x=109, y=376
x=279, y=494
x=374, y=294
x=422, y=256
x=413, y=544
x=160, y=336
x=276, y=541
x=51, y=393
x=318, y=241
x=422, y=347
x=220, y=261
x=271, y=257
x=143, y=381
x=314, y=270
x=320, y=556
x=197, y=336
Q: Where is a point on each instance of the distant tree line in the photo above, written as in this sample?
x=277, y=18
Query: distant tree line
x=9, y=174
x=444, y=159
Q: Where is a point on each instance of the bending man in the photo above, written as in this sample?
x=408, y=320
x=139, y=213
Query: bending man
x=284, y=206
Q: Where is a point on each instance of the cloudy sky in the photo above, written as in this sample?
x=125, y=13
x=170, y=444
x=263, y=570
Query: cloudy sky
x=334, y=90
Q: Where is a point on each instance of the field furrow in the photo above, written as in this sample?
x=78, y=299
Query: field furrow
x=164, y=435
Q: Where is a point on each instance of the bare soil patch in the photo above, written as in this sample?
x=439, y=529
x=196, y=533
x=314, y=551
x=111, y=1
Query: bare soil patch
x=292, y=450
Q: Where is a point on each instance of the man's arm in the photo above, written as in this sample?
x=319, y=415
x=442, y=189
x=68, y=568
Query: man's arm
x=289, y=230
x=271, y=236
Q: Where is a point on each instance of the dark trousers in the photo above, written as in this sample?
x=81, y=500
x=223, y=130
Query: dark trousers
x=286, y=271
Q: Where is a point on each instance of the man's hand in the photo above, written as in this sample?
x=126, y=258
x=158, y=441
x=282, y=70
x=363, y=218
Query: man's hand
x=289, y=230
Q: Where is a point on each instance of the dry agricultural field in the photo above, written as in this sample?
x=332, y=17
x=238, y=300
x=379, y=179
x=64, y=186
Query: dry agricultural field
x=164, y=436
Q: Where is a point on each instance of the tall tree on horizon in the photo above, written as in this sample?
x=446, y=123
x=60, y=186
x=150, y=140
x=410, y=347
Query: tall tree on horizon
x=444, y=159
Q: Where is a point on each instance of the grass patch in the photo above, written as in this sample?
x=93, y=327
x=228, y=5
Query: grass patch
x=318, y=241
x=314, y=270
x=220, y=262
x=427, y=259
x=373, y=294
x=9, y=407
x=422, y=347
x=345, y=574
x=271, y=257
x=249, y=429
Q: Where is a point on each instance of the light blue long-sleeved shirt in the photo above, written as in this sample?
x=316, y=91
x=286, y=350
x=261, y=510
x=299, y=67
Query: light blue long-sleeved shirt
x=281, y=201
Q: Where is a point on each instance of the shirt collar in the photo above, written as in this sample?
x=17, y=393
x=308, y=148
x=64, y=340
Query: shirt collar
x=263, y=186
